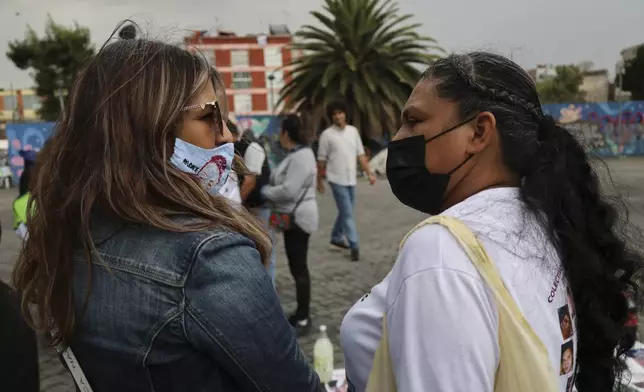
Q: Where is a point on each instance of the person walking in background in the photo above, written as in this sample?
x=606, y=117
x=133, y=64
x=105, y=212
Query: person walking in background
x=291, y=191
x=135, y=260
x=20, y=204
x=338, y=148
x=516, y=282
x=255, y=176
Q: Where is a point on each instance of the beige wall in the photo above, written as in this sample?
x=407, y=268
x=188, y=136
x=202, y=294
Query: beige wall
x=596, y=87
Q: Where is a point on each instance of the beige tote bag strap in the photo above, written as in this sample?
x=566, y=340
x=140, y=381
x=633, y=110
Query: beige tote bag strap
x=381, y=377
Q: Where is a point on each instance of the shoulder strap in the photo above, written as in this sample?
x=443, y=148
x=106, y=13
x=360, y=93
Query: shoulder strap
x=479, y=257
x=74, y=368
x=304, y=188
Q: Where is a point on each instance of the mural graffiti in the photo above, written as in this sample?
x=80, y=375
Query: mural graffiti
x=266, y=129
x=25, y=137
x=607, y=129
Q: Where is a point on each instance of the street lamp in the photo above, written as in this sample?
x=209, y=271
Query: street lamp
x=271, y=79
x=59, y=93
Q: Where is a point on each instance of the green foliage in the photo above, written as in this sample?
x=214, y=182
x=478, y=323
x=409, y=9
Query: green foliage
x=55, y=59
x=633, y=79
x=564, y=87
x=366, y=54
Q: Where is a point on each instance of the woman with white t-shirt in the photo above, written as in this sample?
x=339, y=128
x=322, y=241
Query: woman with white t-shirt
x=475, y=145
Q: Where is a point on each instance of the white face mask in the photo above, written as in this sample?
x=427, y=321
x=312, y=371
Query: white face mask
x=211, y=166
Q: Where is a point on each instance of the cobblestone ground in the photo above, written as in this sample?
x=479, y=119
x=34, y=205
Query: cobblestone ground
x=337, y=282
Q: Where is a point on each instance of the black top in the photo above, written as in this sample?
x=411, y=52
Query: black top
x=18, y=347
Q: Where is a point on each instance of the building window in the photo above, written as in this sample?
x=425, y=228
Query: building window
x=273, y=56
x=278, y=79
x=242, y=80
x=31, y=102
x=239, y=58
x=10, y=102
x=243, y=103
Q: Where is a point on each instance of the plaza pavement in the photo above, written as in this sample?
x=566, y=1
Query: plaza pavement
x=336, y=282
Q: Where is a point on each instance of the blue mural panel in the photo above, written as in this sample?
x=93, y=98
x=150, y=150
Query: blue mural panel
x=608, y=129
x=266, y=129
x=25, y=137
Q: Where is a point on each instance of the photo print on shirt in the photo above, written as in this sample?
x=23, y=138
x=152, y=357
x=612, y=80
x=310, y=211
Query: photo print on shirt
x=567, y=357
x=565, y=322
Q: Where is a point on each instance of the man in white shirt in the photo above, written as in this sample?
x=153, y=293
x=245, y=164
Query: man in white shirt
x=339, y=147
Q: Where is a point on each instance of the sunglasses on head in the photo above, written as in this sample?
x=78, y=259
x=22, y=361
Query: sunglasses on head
x=216, y=112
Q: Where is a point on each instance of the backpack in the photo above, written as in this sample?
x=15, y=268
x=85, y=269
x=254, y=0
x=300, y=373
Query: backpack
x=254, y=199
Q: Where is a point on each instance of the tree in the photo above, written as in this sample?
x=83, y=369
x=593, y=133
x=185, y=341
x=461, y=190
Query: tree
x=565, y=87
x=364, y=55
x=633, y=78
x=55, y=59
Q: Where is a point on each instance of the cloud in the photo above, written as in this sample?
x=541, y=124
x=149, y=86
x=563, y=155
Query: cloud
x=533, y=32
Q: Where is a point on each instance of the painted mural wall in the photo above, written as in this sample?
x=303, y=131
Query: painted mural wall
x=30, y=136
x=601, y=128
x=266, y=129
x=598, y=125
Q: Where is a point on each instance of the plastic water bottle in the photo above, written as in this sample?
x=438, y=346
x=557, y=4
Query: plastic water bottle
x=323, y=356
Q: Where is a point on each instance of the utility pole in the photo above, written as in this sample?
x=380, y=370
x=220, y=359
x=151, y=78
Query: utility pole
x=514, y=49
x=620, y=73
x=59, y=94
x=14, y=105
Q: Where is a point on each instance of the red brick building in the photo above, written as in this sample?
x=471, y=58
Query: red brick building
x=254, y=67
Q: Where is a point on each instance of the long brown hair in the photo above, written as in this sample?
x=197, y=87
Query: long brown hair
x=110, y=154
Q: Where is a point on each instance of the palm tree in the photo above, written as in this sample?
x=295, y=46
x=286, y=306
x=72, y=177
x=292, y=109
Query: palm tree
x=365, y=56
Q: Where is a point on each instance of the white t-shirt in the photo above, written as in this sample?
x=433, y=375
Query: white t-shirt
x=230, y=189
x=442, y=317
x=339, y=148
x=254, y=158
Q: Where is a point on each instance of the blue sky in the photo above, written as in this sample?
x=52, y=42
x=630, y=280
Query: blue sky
x=548, y=31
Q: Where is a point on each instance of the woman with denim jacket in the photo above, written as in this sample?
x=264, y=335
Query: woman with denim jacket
x=134, y=260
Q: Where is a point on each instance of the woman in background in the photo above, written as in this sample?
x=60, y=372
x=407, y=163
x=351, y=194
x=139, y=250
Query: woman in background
x=292, y=191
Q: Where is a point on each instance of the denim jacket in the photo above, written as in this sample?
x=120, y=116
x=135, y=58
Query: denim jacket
x=182, y=312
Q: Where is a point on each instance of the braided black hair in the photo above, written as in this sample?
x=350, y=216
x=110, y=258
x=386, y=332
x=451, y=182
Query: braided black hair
x=562, y=191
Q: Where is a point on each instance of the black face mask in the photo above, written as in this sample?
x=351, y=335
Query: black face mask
x=410, y=180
